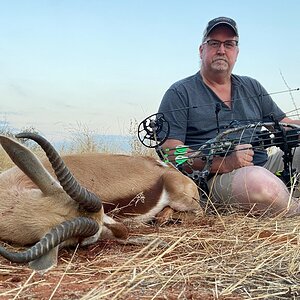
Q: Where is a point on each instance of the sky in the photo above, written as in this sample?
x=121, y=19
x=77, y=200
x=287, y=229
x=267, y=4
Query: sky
x=102, y=65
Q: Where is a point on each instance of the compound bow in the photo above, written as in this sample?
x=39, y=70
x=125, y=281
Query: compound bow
x=154, y=131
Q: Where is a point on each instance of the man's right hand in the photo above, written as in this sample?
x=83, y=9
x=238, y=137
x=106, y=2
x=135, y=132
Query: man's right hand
x=242, y=156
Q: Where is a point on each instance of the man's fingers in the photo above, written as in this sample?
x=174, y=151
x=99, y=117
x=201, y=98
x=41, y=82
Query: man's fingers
x=245, y=149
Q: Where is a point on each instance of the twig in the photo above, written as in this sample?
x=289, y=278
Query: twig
x=291, y=95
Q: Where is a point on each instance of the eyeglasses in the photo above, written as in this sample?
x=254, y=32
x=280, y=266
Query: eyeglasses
x=229, y=44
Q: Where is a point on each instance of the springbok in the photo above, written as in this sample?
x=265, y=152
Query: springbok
x=38, y=210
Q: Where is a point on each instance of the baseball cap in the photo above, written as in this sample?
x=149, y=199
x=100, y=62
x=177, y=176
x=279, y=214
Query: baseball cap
x=220, y=21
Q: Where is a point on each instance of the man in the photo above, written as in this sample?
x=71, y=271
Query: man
x=200, y=106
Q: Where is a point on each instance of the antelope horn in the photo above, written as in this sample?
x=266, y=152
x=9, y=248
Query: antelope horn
x=88, y=200
x=80, y=226
x=30, y=165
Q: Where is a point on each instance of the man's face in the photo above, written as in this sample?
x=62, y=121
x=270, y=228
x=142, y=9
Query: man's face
x=216, y=57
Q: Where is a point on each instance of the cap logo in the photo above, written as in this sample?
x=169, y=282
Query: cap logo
x=220, y=21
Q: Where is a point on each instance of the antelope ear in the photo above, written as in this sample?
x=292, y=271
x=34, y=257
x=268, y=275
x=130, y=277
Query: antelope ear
x=45, y=262
x=30, y=165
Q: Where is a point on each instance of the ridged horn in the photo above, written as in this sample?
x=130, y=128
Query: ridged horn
x=30, y=165
x=87, y=200
x=80, y=226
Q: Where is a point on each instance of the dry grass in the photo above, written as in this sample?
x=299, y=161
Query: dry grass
x=211, y=257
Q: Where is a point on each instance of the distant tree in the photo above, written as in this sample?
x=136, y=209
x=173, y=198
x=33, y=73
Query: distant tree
x=29, y=143
x=5, y=128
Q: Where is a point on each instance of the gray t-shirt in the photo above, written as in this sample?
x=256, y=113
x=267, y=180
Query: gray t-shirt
x=189, y=106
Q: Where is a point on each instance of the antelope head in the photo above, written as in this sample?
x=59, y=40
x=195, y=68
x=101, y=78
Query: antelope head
x=81, y=218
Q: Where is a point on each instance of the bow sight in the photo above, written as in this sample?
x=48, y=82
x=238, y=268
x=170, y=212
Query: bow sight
x=154, y=131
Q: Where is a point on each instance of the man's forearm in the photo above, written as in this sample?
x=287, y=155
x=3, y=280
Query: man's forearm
x=219, y=165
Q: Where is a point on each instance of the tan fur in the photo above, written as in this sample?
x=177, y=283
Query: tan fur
x=129, y=185
x=26, y=214
x=119, y=179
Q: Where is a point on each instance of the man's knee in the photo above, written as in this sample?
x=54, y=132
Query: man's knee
x=257, y=186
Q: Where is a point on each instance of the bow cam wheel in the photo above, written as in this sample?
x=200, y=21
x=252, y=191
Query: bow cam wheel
x=154, y=130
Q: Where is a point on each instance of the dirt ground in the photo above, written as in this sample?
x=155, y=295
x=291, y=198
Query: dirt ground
x=109, y=270
x=228, y=257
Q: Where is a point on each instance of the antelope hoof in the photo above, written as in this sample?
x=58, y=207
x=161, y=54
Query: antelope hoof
x=164, y=217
